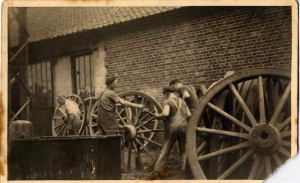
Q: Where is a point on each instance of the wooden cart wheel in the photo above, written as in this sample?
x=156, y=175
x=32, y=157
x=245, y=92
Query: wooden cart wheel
x=257, y=140
x=89, y=104
x=138, y=128
x=59, y=122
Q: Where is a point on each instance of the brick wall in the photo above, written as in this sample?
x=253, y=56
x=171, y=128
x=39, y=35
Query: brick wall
x=197, y=45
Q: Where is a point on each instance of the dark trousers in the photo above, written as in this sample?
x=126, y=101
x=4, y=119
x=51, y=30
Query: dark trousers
x=172, y=135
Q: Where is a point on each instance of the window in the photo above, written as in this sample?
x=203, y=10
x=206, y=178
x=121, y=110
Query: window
x=40, y=83
x=83, y=75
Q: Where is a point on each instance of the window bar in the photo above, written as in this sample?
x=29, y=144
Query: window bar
x=29, y=80
x=78, y=75
x=91, y=72
x=36, y=79
x=40, y=79
x=41, y=71
x=32, y=82
x=84, y=75
x=42, y=74
x=52, y=84
x=46, y=75
x=92, y=75
x=81, y=74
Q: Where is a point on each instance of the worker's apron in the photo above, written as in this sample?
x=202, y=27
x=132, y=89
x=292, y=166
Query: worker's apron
x=107, y=120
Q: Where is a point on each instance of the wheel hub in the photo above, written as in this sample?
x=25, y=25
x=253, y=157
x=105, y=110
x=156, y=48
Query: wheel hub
x=265, y=138
x=129, y=132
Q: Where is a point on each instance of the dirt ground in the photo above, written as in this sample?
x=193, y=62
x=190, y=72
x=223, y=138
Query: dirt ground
x=172, y=171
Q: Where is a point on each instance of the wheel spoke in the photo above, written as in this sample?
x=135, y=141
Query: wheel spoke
x=286, y=143
x=59, y=125
x=65, y=131
x=245, y=90
x=146, y=150
x=243, y=105
x=145, y=122
x=149, y=140
x=254, y=167
x=121, y=119
x=137, y=154
x=229, y=171
x=222, y=132
x=224, y=151
x=150, y=130
x=60, y=130
x=128, y=115
x=139, y=111
x=283, y=151
x=146, y=115
x=285, y=134
x=122, y=110
x=268, y=165
x=277, y=159
x=93, y=125
x=202, y=147
x=286, y=122
x=280, y=105
x=228, y=116
x=262, y=113
x=274, y=93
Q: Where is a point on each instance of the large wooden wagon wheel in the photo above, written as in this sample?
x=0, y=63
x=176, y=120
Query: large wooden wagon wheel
x=59, y=122
x=138, y=128
x=253, y=131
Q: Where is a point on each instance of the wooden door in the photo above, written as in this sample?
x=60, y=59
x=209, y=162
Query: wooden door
x=41, y=87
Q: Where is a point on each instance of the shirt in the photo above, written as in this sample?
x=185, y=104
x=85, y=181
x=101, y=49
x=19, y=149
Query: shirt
x=173, y=108
x=109, y=99
x=192, y=100
x=72, y=107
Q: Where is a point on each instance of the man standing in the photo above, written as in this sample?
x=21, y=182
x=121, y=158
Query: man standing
x=187, y=93
x=175, y=114
x=107, y=101
x=73, y=114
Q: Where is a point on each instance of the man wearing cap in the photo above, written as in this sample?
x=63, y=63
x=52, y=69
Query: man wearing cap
x=186, y=92
x=72, y=114
x=174, y=115
x=107, y=101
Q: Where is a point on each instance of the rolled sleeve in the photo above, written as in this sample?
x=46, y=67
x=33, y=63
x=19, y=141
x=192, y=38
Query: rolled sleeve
x=114, y=96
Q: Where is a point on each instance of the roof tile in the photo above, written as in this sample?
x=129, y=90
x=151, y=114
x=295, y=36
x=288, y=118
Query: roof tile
x=49, y=22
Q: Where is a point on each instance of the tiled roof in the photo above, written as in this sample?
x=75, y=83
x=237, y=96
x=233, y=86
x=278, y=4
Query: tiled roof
x=48, y=22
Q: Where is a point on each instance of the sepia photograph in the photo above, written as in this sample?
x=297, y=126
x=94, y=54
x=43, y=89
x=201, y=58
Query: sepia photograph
x=149, y=92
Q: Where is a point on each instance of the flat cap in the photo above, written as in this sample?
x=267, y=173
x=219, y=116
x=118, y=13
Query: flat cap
x=168, y=89
x=110, y=79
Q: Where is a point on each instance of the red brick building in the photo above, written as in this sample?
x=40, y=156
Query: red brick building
x=72, y=49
